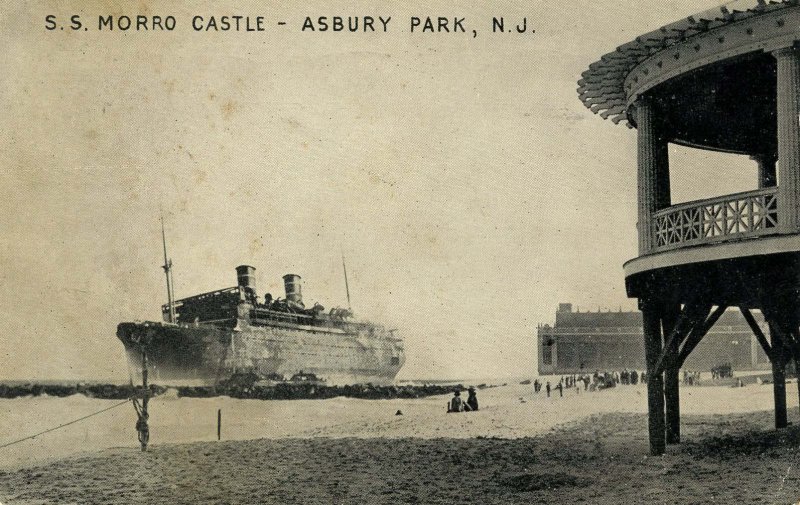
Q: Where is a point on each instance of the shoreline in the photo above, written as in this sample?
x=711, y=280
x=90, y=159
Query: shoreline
x=508, y=412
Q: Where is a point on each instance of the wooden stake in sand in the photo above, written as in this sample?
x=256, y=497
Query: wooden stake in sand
x=141, y=410
x=219, y=424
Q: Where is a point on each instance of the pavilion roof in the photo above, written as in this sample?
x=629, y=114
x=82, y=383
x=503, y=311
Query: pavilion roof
x=602, y=87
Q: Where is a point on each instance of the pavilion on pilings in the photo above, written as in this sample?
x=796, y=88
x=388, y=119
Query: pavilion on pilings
x=728, y=80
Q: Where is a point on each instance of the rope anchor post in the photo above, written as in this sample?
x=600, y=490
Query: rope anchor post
x=143, y=396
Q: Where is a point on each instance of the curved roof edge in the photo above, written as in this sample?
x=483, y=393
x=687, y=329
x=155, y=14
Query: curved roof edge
x=602, y=87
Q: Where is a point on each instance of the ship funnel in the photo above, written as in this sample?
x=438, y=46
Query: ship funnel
x=294, y=292
x=246, y=277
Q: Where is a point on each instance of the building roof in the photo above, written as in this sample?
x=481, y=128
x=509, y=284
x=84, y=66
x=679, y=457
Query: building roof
x=632, y=319
x=602, y=87
x=598, y=319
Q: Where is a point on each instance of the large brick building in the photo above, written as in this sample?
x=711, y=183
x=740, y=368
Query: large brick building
x=587, y=341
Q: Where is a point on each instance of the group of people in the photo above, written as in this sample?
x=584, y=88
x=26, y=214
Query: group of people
x=691, y=378
x=458, y=404
x=598, y=380
x=594, y=382
x=629, y=377
x=721, y=371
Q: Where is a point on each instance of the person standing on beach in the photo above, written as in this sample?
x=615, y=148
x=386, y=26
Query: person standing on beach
x=548, y=389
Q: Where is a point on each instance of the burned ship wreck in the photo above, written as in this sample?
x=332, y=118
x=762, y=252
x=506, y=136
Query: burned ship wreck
x=217, y=335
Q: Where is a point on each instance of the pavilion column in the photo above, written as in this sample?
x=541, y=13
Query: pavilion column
x=651, y=319
x=653, y=172
x=788, y=90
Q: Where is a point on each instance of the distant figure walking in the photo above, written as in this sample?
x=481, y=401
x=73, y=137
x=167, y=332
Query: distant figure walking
x=560, y=389
x=472, y=400
x=456, y=403
x=548, y=389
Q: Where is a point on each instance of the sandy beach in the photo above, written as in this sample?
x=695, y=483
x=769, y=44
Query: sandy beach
x=519, y=448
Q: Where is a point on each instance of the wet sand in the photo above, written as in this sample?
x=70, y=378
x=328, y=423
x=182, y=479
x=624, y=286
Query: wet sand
x=587, y=448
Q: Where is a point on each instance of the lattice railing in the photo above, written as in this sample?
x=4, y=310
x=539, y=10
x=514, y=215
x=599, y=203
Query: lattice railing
x=727, y=217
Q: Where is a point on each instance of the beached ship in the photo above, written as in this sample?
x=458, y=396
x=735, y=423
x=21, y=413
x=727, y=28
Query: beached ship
x=213, y=336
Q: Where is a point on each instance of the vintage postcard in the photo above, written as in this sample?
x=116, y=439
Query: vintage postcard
x=399, y=252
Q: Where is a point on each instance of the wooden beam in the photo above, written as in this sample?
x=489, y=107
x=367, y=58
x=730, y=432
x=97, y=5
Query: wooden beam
x=695, y=337
x=689, y=317
x=669, y=318
x=762, y=339
x=778, y=377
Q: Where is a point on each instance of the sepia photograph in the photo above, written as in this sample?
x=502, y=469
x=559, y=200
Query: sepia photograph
x=418, y=252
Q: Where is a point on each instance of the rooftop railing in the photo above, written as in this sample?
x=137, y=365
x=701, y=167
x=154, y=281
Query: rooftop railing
x=729, y=217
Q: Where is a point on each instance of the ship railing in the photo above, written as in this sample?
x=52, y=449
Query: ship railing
x=263, y=316
x=211, y=294
x=285, y=317
x=216, y=322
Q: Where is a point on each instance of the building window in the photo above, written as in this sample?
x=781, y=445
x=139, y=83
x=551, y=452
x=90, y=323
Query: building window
x=547, y=351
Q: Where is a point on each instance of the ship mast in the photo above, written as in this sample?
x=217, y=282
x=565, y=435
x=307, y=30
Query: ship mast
x=346, y=285
x=168, y=272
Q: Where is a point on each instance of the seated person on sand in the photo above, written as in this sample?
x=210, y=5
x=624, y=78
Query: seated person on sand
x=472, y=400
x=456, y=404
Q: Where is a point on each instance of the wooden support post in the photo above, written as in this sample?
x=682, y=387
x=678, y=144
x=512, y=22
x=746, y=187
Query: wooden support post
x=778, y=376
x=219, y=424
x=655, y=382
x=672, y=403
x=671, y=375
x=794, y=344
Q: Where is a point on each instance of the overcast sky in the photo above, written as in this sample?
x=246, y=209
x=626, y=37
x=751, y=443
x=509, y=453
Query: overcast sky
x=467, y=185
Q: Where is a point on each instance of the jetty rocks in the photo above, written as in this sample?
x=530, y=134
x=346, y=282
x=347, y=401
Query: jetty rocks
x=281, y=391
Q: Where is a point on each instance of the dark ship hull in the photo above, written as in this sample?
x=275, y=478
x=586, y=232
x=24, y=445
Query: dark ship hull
x=230, y=333
x=185, y=353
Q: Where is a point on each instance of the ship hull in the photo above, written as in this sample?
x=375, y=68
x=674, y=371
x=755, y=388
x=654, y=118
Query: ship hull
x=179, y=354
